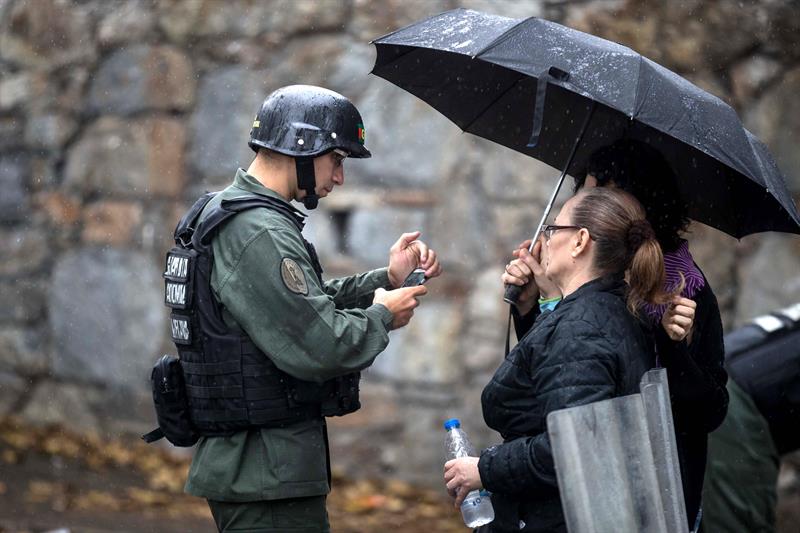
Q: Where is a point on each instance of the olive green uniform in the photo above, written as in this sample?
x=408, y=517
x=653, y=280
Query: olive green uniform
x=311, y=331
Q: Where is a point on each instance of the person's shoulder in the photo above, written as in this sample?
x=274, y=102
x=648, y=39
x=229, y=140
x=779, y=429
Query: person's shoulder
x=257, y=228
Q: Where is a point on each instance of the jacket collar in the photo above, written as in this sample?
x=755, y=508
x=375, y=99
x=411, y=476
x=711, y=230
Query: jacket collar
x=244, y=181
x=612, y=283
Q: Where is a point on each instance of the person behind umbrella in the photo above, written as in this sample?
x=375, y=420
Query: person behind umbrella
x=688, y=332
x=694, y=365
x=589, y=348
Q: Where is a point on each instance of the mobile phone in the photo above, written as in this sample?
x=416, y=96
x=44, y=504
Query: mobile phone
x=417, y=277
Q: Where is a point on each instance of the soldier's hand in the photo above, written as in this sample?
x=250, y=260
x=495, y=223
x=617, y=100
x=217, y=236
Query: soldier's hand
x=409, y=253
x=678, y=319
x=401, y=302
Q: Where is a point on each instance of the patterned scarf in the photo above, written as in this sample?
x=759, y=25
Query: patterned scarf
x=678, y=262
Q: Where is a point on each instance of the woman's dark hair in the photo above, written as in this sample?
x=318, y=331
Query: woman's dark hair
x=624, y=241
x=641, y=170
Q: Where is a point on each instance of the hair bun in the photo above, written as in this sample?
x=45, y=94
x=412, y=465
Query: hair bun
x=639, y=232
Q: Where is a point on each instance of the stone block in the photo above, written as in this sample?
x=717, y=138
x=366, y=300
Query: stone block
x=25, y=250
x=775, y=119
x=423, y=350
x=142, y=157
x=183, y=20
x=370, y=233
x=15, y=200
x=769, y=277
x=106, y=316
x=24, y=300
x=12, y=133
x=52, y=402
x=12, y=387
x=723, y=31
x=227, y=101
x=22, y=350
x=507, y=8
x=49, y=131
x=14, y=90
x=319, y=58
x=140, y=78
x=37, y=37
x=61, y=209
x=751, y=75
x=515, y=224
x=111, y=222
x=63, y=89
x=402, y=156
x=483, y=335
x=371, y=20
x=130, y=21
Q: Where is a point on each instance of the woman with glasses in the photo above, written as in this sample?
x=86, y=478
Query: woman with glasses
x=694, y=362
x=687, y=333
x=588, y=348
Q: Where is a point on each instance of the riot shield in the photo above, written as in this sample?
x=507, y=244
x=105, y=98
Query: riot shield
x=617, y=463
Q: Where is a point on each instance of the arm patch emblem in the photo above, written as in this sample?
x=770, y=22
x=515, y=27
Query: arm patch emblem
x=293, y=276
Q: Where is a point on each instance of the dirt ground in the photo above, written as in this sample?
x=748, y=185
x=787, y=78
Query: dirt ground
x=52, y=480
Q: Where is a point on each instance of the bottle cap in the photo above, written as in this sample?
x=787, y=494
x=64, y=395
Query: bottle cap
x=452, y=423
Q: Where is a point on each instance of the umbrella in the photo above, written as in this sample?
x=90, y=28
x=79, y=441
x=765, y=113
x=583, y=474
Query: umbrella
x=558, y=94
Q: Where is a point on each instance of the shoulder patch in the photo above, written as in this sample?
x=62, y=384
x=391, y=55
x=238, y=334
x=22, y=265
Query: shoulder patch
x=293, y=276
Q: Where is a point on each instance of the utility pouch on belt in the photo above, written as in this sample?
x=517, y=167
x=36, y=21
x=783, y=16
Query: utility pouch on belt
x=172, y=406
x=335, y=397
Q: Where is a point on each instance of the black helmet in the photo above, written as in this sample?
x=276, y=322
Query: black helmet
x=308, y=121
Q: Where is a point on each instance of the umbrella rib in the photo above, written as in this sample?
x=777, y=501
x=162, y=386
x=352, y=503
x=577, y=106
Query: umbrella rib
x=505, y=35
x=501, y=95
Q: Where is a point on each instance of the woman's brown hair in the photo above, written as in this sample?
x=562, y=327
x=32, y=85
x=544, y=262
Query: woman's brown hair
x=624, y=241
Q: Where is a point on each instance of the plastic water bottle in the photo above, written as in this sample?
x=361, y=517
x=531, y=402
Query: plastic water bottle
x=477, y=507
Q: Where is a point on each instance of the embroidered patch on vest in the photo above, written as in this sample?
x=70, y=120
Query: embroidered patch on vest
x=293, y=276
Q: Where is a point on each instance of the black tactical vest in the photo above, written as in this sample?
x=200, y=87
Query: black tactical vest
x=231, y=385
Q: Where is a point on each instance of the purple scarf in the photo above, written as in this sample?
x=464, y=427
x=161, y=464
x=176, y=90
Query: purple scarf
x=675, y=263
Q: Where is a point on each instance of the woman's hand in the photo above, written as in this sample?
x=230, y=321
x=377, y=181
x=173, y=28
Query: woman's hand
x=529, y=267
x=678, y=319
x=461, y=477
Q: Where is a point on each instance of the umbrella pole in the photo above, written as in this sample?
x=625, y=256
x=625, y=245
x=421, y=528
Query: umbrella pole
x=512, y=292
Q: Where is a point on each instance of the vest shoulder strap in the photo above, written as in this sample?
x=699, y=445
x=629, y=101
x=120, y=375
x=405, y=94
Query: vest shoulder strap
x=188, y=222
x=210, y=224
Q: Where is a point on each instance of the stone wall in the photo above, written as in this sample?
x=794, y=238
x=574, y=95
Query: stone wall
x=115, y=115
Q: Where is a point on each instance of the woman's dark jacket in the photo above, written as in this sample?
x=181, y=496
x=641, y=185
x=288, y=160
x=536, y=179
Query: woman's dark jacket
x=697, y=382
x=589, y=348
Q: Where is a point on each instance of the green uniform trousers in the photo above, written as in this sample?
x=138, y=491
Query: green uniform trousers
x=290, y=515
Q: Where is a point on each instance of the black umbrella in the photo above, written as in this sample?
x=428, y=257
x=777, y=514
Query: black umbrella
x=558, y=94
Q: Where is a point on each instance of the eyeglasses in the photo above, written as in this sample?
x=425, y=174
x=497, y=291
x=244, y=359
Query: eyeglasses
x=549, y=229
x=339, y=156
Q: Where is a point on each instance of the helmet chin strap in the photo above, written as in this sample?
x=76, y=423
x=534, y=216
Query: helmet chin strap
x=307, y=181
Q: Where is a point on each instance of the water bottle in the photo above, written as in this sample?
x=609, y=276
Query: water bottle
x=477, y=507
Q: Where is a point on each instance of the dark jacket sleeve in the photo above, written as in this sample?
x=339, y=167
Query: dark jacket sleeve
x=523, y=323
x=583, y=372
x=696, y=374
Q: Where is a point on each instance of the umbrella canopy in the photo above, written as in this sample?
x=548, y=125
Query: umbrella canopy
x=529, y=85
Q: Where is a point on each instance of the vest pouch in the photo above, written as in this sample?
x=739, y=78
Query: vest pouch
x=344, y=398
x=308, y=392
x=172, y=405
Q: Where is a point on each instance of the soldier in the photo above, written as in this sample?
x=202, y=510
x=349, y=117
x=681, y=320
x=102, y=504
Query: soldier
x=267, y=348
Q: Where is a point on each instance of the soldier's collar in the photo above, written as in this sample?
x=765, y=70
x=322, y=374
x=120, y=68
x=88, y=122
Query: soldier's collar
x=249, y=183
